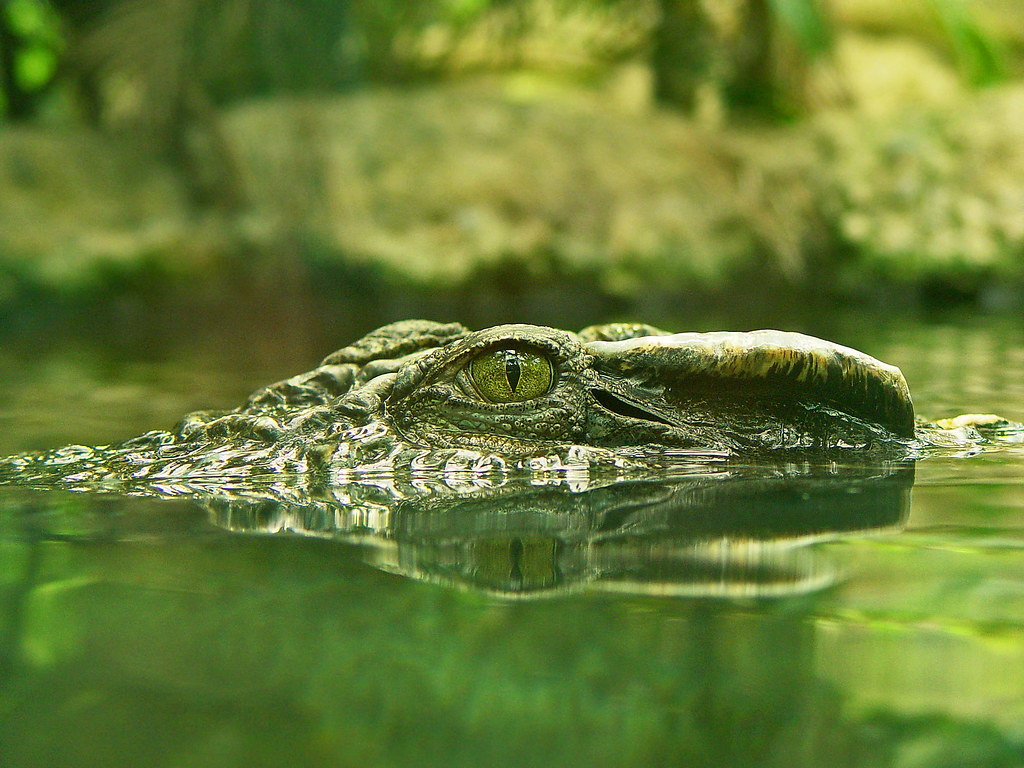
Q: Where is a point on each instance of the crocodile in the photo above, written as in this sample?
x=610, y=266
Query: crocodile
x=421, y=400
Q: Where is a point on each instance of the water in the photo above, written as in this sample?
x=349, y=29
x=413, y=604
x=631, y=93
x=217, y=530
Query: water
x=794, y=615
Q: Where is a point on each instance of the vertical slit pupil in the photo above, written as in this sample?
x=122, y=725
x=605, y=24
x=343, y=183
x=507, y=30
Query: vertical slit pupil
x=512, y=370
x=515, y=554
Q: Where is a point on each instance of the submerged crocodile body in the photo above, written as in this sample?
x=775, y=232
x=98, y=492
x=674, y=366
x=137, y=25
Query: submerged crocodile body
x=421, y=399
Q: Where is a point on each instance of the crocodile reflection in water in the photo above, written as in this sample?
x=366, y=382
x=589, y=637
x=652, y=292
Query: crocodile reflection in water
x=438, y=402
x=715, y=532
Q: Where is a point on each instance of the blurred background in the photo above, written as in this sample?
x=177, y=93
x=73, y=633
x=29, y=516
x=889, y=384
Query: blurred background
x=308, y=169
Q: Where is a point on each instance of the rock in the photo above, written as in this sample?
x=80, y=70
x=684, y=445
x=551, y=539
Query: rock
x=438, y=184
x=72, y=201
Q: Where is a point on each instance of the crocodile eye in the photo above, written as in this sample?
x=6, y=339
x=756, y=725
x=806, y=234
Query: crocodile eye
x=510, y=375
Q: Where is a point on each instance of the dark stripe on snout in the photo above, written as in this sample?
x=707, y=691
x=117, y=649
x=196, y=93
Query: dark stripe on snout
x=624, y=408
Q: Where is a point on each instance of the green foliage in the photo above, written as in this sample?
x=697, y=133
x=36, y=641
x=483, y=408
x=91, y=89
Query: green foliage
x=33, y=32
x=31, y=19
x=460, y=10
x=981, y=57
x=35, y=67
x=805, y=20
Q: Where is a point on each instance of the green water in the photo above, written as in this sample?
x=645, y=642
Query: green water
x=875, y=619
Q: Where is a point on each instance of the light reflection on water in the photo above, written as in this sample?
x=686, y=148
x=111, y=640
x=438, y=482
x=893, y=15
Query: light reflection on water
x=808, y=619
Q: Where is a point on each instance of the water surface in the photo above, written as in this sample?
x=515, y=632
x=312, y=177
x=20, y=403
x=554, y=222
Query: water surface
x=786, y=615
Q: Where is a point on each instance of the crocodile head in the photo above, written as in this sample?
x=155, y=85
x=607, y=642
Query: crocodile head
x=425, y=395
x=520, y=390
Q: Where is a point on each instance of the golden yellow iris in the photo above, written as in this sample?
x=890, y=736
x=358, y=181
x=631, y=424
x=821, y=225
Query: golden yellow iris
x=510, y=375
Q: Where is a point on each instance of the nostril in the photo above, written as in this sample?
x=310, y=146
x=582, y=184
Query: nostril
x=622, y=407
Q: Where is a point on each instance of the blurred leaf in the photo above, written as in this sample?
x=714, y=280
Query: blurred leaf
x=32, y=19
x=980, y=56
x=806, y=21
x=462, y=10
x=35, y=67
